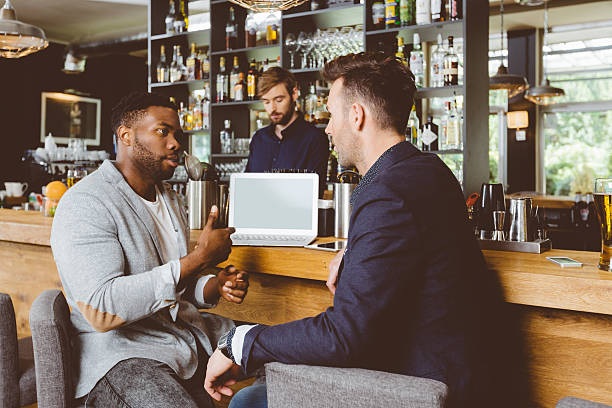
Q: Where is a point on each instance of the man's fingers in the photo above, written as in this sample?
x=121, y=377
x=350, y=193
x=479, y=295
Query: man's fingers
x=234, y=292
x=236, y=285
x=212, y=218
x=230, y=230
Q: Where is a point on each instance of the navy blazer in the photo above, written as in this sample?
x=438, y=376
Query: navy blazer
x=408, y=298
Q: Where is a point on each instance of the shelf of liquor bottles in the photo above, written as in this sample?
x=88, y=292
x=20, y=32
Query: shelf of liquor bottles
x=235, y=103
x=185, y=34
x=247, y=50
x=197, y=82
x=427, y=32
x=440, y=92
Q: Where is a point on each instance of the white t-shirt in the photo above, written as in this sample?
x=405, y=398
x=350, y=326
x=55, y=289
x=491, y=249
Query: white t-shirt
x=169, y=242
x=165, y=230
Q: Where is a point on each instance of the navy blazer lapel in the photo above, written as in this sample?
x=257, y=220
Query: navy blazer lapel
x=114, y=176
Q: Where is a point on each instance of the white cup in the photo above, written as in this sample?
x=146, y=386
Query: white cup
x=15, y=188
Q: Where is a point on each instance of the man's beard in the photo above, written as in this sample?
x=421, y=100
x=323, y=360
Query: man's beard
x=286, y=116
x=150, y=163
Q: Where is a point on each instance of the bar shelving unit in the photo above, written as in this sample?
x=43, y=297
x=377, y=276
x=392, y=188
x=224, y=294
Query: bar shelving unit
x=472, y=28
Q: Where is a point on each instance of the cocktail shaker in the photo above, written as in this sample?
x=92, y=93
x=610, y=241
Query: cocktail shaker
x=342, y=203
x=201, y=196
x=521, y=228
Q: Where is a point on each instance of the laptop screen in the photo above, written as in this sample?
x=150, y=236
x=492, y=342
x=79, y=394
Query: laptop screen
x=274, y=201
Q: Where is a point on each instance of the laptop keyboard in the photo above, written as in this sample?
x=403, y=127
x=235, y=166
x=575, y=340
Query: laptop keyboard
x=270, y=238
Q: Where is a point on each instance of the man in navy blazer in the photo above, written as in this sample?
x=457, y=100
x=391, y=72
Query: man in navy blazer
x=409, y=296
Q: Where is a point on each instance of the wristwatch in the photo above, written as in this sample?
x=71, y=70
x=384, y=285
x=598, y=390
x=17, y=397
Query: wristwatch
x=225, y=344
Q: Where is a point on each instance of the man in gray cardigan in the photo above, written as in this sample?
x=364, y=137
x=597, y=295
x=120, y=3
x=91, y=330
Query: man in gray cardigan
x=120, y=240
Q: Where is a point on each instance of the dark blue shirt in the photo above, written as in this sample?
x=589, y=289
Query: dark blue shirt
x=303, y=147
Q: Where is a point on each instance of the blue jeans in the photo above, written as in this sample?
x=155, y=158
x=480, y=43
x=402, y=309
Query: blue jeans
x=146, y=383
x=254, y=396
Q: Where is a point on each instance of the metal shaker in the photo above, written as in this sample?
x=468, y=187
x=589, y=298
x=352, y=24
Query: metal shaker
x=201, y=196
x=342, y=205
x=521, y=228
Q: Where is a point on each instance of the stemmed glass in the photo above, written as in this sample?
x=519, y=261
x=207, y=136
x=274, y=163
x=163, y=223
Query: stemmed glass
x=291, y=45
x=305, y=44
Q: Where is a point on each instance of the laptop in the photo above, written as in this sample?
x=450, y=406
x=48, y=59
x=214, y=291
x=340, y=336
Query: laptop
x=273, y=209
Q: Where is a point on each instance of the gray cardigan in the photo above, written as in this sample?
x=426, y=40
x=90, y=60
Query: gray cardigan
x=124, y=301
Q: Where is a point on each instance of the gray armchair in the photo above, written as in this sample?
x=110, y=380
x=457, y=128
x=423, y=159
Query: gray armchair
x=51, y=328
x=300, y=386
x=573, y=402
x=17, y=378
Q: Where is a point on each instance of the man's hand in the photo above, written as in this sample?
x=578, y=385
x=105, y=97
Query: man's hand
x=230, y=284
x=214, y=245
x=334, y=265
x=220, y=374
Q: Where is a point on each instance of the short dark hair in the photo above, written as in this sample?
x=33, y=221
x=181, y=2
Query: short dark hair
x=132, y=106
x=384, y=83
x=274, y=76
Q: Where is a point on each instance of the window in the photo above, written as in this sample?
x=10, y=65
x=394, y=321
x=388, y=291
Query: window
x=577, y=131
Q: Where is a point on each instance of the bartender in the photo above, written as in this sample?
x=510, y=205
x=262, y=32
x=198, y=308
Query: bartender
x=289, y=142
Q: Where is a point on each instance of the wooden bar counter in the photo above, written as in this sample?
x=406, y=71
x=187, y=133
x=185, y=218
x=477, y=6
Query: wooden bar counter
x=565, y=315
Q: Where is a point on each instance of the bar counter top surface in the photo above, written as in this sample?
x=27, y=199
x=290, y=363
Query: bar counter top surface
x=528, y=279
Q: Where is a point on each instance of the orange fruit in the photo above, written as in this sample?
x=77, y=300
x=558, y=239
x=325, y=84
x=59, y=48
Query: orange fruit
x=55, y=190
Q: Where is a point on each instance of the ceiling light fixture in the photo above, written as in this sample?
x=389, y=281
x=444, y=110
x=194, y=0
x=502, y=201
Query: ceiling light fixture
x=73, y=64
x=544, y=94
x=514, y=84
x=18, y=39
x=268, y=5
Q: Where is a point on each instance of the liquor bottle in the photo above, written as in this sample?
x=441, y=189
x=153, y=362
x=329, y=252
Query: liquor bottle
x=205, y=65
x=399, y=54
x=451, y=65
x=430, y=136
x=391, y=14
x=442, y=136
x=233, y=79
x=413, y=130
x=163, y=70
x=455, y=9
x=407, y=16
x=182, y=114
x=250, y=30
x=231, y=31
x=453, y=128
x=206, y=108
x=226, y=138
x=194, y=71
x=321, y=113
x=189, y=115
x=423, y=11
x=271, y=22
x=252, y=81
x=239, y=88
x=222, y=82
x=170, y=19
x=310, y=104
x=180, y=21
x=177, y=68
x=438, y=11
x=378, y=15
x=197, y=114
x=417, y=61
x=437, y=64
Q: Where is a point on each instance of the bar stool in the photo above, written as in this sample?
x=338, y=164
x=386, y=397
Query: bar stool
x=17, y=376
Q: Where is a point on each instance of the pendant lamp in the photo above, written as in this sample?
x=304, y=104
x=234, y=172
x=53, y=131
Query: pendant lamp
x=18, y=39
x=268, y=5
x=544, y=94
x=515, y=84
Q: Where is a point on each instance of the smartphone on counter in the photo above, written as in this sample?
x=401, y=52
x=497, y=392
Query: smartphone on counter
x=565, y=262
x=333, y=246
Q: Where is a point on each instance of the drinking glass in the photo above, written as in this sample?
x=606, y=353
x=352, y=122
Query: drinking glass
x=603, y=206
x=491, y=199
x=305, y=45
x=291, y=45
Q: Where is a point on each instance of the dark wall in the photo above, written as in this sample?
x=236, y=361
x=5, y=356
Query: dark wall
x=107, y=78
x=522, y=154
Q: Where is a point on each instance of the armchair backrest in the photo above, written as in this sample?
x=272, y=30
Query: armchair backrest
x=9, y=360
x=51, y=332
